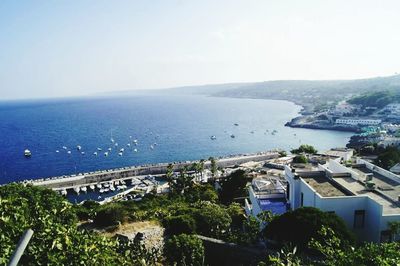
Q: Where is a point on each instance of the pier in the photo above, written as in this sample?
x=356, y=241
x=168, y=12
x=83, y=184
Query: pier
x=127, y=173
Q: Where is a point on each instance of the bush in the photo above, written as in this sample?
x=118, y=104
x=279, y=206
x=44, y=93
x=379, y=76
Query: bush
x=182, y=224
x=300, y=159
x=212, y=220
x=298, y=227
x=110, y=215
x=304, y=148
x=184, y=250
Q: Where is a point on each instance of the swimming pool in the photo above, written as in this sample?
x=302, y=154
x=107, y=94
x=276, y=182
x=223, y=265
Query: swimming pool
x=275, y=205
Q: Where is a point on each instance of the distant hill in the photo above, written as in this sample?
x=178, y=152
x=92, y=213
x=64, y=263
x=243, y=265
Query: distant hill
x=312, y=94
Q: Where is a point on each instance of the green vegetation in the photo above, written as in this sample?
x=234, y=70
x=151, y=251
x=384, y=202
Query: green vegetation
x=298, y=227
x=304, y=148
x=388, y=157
x=300, y=159
x=56, y=239
x=377, y=99
x=184, y=250
x=233, y=186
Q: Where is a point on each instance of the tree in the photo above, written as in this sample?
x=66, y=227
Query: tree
x=304, y=148
x=213, y=166
x=184, y=250
x=170, y=176
x=388, y=158
x=336, y=254
x=233, y=186
x=298, y=227
x=181, y=224
x=201, y=167
x=300, y=159
x=212, y=220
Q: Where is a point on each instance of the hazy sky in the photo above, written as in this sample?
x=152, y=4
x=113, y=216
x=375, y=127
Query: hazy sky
x=62, y=48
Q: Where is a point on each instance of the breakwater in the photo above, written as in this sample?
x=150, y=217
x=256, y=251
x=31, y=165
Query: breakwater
x=84, y=179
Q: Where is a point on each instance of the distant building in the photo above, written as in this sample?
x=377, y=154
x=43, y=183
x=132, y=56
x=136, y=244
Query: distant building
x=393, y=108
x=365, y=196
x=358, y=122
x=343, y=153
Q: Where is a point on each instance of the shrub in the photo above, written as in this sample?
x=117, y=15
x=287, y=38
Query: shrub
x=300, y=159
x=181, y=224
x=298, y=227
x=184, y=250
x=110, y=215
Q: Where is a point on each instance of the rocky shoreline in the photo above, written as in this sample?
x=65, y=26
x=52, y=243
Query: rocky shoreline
x=304, y=122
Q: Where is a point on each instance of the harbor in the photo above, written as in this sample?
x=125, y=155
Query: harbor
x=110, y=183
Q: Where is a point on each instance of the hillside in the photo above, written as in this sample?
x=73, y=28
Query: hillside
x=312, y=94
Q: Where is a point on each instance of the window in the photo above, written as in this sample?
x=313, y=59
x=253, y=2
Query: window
x=359, y=217
x=301, y=199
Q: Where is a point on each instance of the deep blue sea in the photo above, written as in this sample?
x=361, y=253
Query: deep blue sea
x=181, y=127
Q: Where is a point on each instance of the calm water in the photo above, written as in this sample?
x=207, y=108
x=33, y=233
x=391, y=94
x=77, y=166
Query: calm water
x=180, y=125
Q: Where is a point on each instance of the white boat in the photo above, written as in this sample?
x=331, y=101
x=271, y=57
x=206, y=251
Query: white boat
x=112, y=140
x=98, y=186
x=232, y=136
x=92, y=187
x=95, y=153
x=83, y=153
x=57, y=151
x=101, y=190
x=152, y=147
x=106, y=190
x=77, y=189
x=128, y=144
x=69, y=152
x=99, y=149
x=112, y=188
x=109, y=149
x=122, y=182
x=64, y=147
x=122, y=150
x=120, y=154
x=106, y=185
x=63, y=192
x=106, y=154
x=84, y=189
x=78, y=147
x=116, y=144
x=213, y=137
x=27, y=153
x=135, y=141
x=135, y=150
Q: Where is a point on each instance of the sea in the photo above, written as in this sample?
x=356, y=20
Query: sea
x=167, y=128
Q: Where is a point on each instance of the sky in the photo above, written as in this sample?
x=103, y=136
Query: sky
x=71, y=48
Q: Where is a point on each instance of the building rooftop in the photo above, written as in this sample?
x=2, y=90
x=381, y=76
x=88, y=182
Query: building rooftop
x=323, y=185
x=356, y=187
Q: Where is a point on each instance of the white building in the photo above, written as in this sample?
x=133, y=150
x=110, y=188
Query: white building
x=393, y=108
x=358, y=122
x=343, y=153
x=266, y=193
x=365, y=196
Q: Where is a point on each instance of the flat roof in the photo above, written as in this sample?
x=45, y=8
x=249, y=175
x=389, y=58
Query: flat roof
x=358, y=189
x=324, y=186
x=383, y=184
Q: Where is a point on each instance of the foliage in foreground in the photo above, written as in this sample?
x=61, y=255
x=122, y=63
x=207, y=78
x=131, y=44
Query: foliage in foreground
x=298, y=227
x=56, y=239
x=184, y=250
